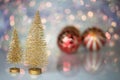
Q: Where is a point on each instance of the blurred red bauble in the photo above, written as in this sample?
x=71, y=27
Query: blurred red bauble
x=69, y=39
x=94, y=39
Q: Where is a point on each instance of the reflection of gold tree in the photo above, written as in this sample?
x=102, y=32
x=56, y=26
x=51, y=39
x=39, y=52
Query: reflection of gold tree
x=14, y=54
x=35, y=53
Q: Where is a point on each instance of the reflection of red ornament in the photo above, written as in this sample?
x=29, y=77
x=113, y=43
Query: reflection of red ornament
x=68, y=65
x=94, y=38
x=93, y=62
x=69, y=39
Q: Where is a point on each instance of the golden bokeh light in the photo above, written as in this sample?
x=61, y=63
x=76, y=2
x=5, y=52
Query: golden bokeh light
x=90, y=14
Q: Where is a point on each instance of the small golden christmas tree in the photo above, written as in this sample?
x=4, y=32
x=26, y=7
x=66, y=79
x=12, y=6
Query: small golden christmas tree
x=14, y=55
x=35, y=52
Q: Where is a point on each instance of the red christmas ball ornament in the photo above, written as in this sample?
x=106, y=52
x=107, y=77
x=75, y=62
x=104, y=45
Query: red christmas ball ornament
x=94, y=39
x=69, y=39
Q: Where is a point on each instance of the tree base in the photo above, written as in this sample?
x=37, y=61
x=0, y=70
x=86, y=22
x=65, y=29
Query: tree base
x=35, y=71
x=14, y=70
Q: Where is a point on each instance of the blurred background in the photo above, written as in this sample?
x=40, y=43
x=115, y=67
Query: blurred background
x=55, y=15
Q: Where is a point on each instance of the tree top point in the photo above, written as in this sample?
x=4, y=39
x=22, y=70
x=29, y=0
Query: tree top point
x=37, y=19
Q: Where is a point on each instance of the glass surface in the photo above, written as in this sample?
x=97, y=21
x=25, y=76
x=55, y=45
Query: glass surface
x=55, y=15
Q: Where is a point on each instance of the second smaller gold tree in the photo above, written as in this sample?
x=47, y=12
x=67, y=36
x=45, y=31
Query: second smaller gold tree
x=14, y=55
x=35, y=52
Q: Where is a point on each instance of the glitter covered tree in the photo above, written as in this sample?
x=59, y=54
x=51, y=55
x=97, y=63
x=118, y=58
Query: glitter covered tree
x=35, y=52
x=14, y=55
